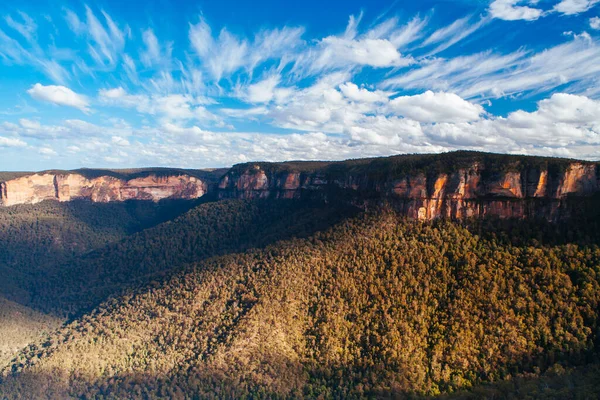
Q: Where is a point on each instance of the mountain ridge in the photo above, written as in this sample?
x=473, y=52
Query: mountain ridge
x=455, y=185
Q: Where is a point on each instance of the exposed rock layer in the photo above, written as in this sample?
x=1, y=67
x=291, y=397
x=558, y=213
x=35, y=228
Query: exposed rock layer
x=68, y=186
x=453, y=185
x=510, y=190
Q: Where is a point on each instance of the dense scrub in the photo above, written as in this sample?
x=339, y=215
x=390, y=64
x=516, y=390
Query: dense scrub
x=20, y=326
x=35, y=237
x=376, y=306
x=78, y=283
x=429, y=164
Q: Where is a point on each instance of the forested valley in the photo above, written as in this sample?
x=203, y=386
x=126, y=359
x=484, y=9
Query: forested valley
x=304, y=299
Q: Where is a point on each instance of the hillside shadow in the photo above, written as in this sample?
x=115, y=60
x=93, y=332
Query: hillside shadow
x=77, y=285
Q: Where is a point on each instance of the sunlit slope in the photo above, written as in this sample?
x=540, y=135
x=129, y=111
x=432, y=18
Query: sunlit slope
x=20, y=326
x=376, y=306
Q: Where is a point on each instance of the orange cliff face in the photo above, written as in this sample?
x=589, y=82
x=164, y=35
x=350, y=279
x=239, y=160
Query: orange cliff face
x=466, y=192
x=35, y=188
x=472, y=186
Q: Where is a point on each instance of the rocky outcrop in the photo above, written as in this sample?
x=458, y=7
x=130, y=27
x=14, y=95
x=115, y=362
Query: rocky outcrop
x=38, y=187
x=451, y=185
x=514, y=189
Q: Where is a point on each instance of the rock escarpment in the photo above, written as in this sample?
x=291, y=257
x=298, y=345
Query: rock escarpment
x=455, y=186
x=34, y=188
x=452, y=185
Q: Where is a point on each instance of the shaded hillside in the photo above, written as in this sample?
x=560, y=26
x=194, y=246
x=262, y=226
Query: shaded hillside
x=376, y=306
x=558, y=383
x=33, y=237
x=205, y=231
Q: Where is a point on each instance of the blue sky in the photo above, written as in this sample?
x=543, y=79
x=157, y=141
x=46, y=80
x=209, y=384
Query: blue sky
x=208, y=84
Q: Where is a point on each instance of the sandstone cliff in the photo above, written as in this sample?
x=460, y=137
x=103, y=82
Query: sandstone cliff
x=455, y=185
x=66, y=186
x=452, y=185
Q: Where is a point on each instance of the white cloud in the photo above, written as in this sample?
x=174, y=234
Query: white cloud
x=226, y=53
x=168, y=107
x=27, y=28
x=47, y=151
x=595, y=23
x=12, y=52
x=338, y=91
x=509, y=10
x=59, y=95
x=573, y=7
x=377, y=48
x=450, y=35
x=563, y=125
x=387, y=131
x=130, y=68
x=106, y=40
x=11, y=142
x=263, y=91
x=436, y=107
x=222, y=56
x=153, y=55
x=372, y=52
x=488, y=75
x=70, y=130
x=513, y=10
x=354, y=93
x=120, y=141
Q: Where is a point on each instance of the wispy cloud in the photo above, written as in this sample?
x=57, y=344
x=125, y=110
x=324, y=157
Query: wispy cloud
x=154, y=53
x=450, y=35
x=106, y=40
x=27, y=28
x=373, y=88
x=488, y=75
x=226, y=53
x=514, y=10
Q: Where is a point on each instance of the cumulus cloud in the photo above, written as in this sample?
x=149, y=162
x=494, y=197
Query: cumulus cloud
x=325, y=97
x=371, y=52
x=436, y=107
x=572, y=7
x=354, y=93
x=511, y=10
x=263, y=91
x=47, y=151
x=377, y=47
x=572, y=122
x=595, y=23
x=11, y=142
x=167, y=107
x=59, y=95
